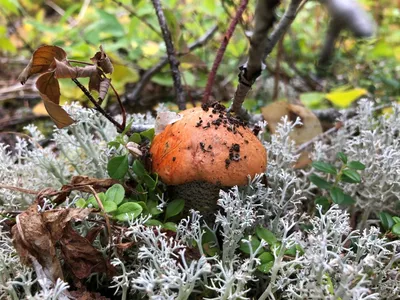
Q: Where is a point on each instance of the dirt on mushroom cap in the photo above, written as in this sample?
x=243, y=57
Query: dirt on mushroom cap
x=207, y=145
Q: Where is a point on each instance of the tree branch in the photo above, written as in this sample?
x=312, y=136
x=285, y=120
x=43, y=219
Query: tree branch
x=120, y=128
x=285, y=22
x=222, y=48
x=264, y=20
x=132, y=96
x=173, y=61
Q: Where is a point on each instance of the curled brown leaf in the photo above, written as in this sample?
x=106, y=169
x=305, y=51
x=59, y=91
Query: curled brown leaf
x=42, y=61
x=101, y=60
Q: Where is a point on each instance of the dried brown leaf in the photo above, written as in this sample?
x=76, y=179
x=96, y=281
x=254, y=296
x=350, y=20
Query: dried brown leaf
x=31, y=238
x=85, y=295
x=48, y=86
x=103, y=61
x=94, y=81
x=93, y=232
x=57, y=220
x=57, y=114
x=36, y=235
x=65, y=70
x=42, y=61
x=104, y=86
x=81, y=257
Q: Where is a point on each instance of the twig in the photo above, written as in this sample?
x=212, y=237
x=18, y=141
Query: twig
x=132, y=96
x=120, y=128
x=282, y=27
x=173, y=61
x=123, y=111
x=18, y=189
x=222, y=48
x=134, y=14
x=277, y=68
x=96, y=196
x=264, y=20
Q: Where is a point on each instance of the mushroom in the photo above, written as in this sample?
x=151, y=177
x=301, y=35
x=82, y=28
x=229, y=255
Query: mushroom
x=204, y=151
x=311, y=125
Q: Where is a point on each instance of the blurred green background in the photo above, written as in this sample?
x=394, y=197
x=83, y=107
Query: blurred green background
x=129, y=33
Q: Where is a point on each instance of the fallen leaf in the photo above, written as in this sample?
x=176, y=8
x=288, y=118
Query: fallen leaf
x=42, y=61
x=81, y=257
x=310, y=128
x=85, y=295
x=31, y=237
x=36, y=234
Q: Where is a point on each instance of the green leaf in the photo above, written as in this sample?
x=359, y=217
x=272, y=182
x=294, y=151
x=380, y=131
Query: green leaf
x=386, y=220
x=80, y=203
x=320, y=182
x=118, y=166
x=127, y=127
x=265, y=267
x=345, y=178
x=266, y=235
x=135, y=137
x=266, y=257
x=127, y=211
x=324, y=202
x=337, y=195
x=342, y=157
x=324, y=167
x=396, y=229
x=92, y=200
x=348, y=200
x=396, y=219
x=155, y=211
x=356, y=165
x=153, y=222
x=114, y=144
x=116, y=193
x=174, y=208
x=150, y=182
x=142, y=193
x=353, y=175
x=109, y=206
x=245, y=248
x=139, y=169
x=170, y=226
x=149, y=134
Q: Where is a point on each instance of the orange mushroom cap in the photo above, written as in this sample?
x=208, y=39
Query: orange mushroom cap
x=207, y=145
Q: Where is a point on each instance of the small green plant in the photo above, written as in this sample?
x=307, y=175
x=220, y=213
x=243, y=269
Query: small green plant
x=390, y=223
x=346, y=173
x=265, y=255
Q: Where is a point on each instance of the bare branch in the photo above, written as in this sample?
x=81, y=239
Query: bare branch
x=222, y=48
x=282, y=27
x=120, y=128
x=264, y=20
x=132, y=96
x=173, y=61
